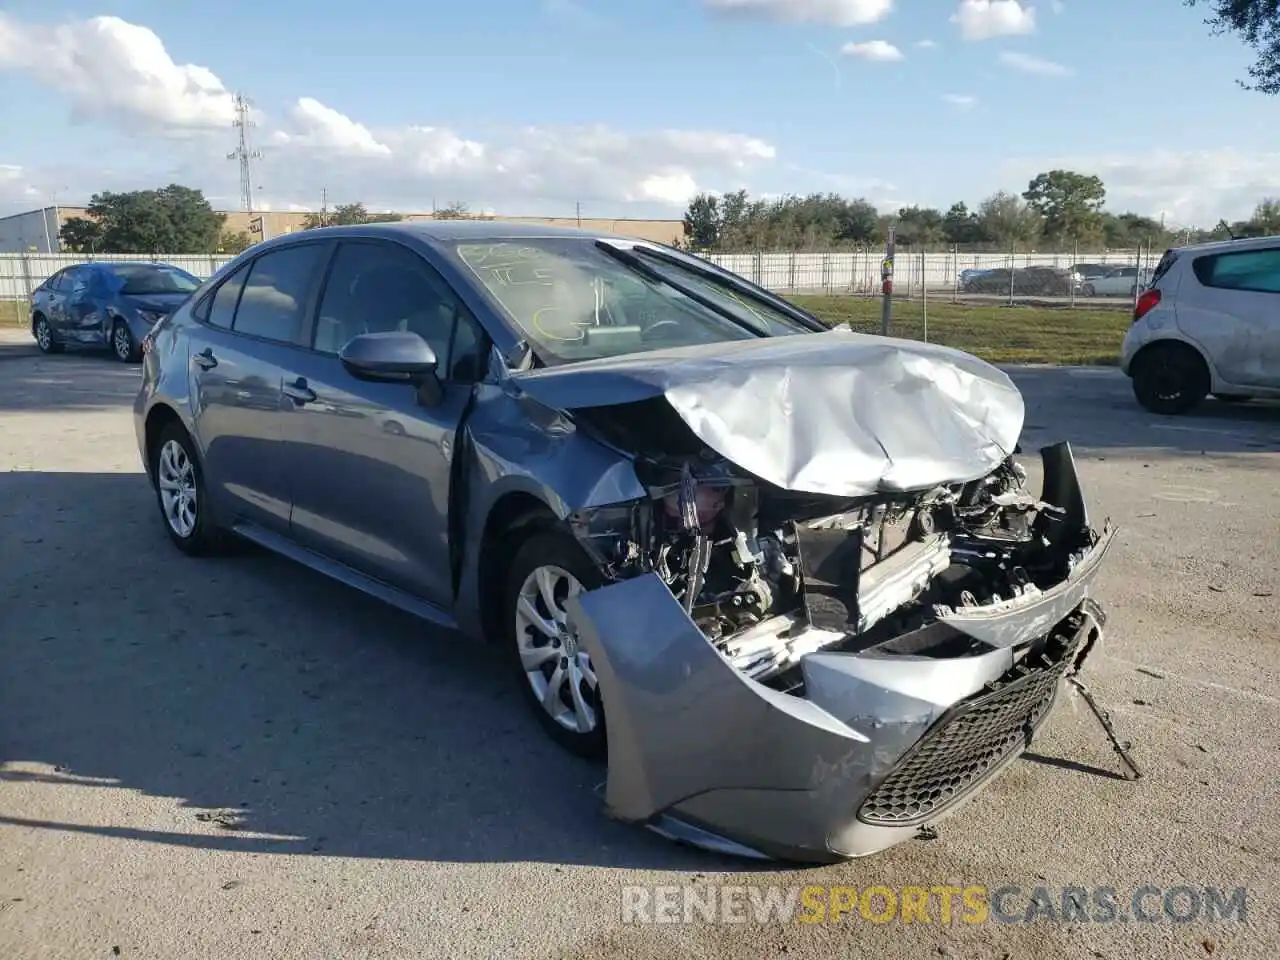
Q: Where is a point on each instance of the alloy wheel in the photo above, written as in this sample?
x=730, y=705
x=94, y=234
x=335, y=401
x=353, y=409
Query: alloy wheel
x=122, y=342
x=176, y=478
x=556, y=667
x=44, y=336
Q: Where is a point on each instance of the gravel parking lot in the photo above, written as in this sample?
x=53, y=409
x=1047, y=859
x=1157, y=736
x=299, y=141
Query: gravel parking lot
x=236, y=758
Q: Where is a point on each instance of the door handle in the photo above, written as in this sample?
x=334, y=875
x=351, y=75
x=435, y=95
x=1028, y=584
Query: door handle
x=205, y=359
x=299, y=391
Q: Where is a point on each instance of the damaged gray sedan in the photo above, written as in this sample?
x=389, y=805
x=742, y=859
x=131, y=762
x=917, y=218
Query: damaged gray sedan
x=791, y=582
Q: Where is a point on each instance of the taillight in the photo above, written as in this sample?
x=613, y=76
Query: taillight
x=1146, y=303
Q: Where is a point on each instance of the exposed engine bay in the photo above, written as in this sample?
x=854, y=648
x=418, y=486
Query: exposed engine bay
x=769, y=575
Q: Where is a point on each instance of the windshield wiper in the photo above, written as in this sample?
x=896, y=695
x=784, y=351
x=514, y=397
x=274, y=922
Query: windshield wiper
x=629, y=259
x=792, y=312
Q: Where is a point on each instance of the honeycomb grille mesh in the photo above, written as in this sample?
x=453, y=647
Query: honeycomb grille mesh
x=967, y=745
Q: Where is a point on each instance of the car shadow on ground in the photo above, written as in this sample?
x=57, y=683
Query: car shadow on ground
x=281, y=712
x=67, y=381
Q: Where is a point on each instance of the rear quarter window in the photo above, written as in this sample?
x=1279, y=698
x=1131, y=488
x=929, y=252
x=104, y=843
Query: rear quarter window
x=1164, y=266
x=1247, y=270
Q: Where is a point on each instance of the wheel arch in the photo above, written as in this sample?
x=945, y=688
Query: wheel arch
x=513, y=517
x=158, y=418
x=1176, y=343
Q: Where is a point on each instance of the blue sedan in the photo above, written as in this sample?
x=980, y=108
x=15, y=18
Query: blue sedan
x=107, y=305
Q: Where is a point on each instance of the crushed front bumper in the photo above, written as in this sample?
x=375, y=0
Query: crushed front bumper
x=877, y=744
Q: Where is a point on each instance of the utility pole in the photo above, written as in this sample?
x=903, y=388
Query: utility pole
x=324, y=205
x=243, y=152
x=886, y=283
x=578, y=207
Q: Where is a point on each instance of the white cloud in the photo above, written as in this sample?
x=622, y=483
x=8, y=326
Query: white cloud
x=1025, y=63
x=110, y=66
x=117, y=71
x=1192, y=188
x=926, y=44
x=877, y=50
x=984, y=19
x=836, y=13
x=317, y=126
x=962, y=100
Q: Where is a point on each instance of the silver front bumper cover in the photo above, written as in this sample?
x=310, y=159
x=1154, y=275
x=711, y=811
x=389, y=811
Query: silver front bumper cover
x=704, y=754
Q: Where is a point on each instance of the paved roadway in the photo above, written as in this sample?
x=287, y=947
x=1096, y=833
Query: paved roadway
x=234, y=758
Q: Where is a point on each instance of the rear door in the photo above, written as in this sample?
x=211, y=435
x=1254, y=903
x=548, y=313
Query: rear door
x=1233, y=311
x=84, y=313
x=251, y=327
x=67, y=284
x=370, y=462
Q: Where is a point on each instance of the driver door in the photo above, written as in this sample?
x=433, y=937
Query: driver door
x=370, y=463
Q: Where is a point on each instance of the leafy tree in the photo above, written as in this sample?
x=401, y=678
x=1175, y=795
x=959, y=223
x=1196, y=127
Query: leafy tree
x=81, y=235
x=234, y=243
x=1007, y=221
x=960, y=226
x=453, y=210
x=702, y=222
x=346, y=215
x=1266, y=218
x=1069, y=202
x=734, y=221
x=172, y=220
x=918, y=227
x=1257, y=22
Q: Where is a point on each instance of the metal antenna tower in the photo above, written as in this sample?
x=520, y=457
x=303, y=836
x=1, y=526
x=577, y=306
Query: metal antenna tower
x=243, y=153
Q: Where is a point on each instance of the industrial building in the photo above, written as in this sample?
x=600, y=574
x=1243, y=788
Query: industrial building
x=36, y=231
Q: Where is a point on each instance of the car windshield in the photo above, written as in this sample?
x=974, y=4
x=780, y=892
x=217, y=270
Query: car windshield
x=579, y=299
x=145, y=279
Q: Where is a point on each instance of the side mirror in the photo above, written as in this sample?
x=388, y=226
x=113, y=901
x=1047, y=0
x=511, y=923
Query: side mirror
x=393, y=356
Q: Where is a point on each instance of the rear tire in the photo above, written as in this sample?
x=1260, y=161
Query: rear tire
x=182, y=496
x=123, y=347
x=43, y=332
x=561, y=560
x=1170, y=378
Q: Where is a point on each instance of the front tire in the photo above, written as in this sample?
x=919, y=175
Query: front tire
x=1087, y=290
x=123, y=346
x=181, y=494
x=43, y=333
x=1170, y=378
x=554, y=672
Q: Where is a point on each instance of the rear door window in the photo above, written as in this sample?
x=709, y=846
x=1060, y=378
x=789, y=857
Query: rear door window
x=275, y=296
x=1257, y=271
x=219, y=309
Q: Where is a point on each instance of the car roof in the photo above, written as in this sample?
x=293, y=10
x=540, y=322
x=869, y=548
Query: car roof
x=1243, y=243
x=112, y=264
x=437, y=232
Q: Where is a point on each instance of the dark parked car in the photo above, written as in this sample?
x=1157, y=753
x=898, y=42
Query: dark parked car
x=110, y=305
x=1027, y=282
x=798, y=569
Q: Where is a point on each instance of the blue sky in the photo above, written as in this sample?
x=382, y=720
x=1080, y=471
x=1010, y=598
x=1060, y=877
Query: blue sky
x=533, y=106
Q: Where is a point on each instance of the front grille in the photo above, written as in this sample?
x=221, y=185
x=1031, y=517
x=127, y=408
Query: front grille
x=969, y=742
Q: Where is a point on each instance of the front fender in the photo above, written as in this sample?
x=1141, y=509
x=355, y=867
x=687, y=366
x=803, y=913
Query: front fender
x=514, y=445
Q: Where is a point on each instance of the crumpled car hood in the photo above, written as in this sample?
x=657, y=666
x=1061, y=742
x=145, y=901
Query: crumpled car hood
x=838, y=413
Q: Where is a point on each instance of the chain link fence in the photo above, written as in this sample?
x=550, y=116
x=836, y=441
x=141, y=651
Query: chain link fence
x=955, y=274
x=1097, y=279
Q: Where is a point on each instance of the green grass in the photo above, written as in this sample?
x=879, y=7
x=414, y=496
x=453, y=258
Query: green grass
x=995, y=332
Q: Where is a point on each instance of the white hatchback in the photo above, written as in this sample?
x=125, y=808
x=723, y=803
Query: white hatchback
x=1208, y=324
